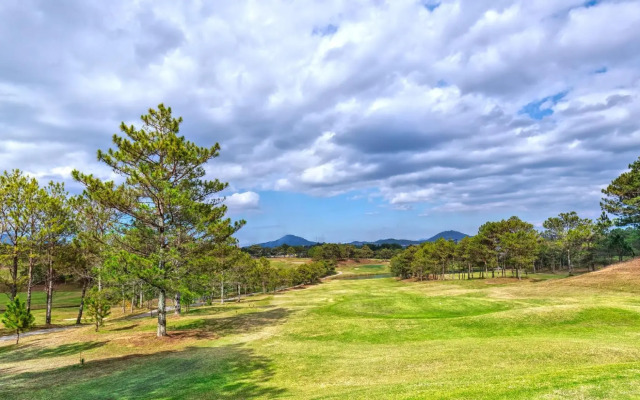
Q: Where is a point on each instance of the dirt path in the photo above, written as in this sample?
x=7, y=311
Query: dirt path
x=39, y=332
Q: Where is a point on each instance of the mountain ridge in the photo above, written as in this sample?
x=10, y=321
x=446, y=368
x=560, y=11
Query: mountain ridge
x=293, y=240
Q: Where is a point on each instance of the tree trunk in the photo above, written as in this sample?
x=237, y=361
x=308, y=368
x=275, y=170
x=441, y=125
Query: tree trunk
x=222, y=290
x=162, y=314
x=14, y=275
x=133, y=300
x=85, y=283
x=29, y=284
x=238, y=296
x=177, y=308
x=49, y=288
x=17, y=336
x=124, y=302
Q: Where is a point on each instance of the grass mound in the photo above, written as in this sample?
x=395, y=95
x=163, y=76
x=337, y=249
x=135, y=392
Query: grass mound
x=624, y=276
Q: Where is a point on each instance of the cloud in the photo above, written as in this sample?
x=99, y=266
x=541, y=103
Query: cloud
x=456, y=106
x=243, y=201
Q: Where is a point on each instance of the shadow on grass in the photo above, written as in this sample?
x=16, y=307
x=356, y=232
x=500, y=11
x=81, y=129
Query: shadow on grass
x=16, y=353
x=238, y=323
x=123, y=328
x=228, y=372
x=211, y=310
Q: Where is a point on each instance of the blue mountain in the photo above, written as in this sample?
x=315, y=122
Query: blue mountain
x=293, y=240
x=401, y=242
x=448, y=235
x=290, y=240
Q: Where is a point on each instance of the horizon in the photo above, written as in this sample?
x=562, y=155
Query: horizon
x=426, y=238
x=474, y=111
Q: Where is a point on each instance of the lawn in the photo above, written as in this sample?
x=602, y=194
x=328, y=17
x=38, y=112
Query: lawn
x=288, y=262
x=368, y=267
x=561, y=338
x=66, y=299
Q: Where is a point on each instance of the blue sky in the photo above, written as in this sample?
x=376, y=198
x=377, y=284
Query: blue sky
x=339, y=120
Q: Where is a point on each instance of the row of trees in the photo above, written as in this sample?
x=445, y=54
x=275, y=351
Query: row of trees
x=566, y=242
x=36, y=223
x=327, y=251
x=157, y=230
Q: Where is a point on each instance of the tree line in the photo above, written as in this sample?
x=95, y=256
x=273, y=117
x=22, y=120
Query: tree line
x=565, y=243
x=327, y=251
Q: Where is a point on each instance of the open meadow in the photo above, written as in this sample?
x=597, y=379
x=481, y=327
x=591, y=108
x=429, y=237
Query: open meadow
x=497, y=338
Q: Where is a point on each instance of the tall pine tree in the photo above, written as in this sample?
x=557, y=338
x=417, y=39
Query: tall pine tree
x=165, y=207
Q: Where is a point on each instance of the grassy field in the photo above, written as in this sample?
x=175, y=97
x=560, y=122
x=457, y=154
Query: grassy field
x=369, y=267
x=65, y=301
x=288, y=262
x=571, y=338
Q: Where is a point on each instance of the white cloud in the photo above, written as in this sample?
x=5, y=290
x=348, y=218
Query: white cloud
x=417, y=102
x=243, y=201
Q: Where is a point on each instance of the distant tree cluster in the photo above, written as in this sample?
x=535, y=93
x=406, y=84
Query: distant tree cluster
x=328, y=251
x=566, y=242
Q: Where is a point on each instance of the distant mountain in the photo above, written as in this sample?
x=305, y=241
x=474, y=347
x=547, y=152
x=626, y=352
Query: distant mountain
x=401, y=242
x=293, y=240
x=290, y=240
x=448, y=235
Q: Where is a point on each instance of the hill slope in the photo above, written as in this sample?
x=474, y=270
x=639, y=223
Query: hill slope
x=401, y=242
x=624, y=276
x=291, y=240
x=448, y=235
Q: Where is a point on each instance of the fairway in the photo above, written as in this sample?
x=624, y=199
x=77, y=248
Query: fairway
x=359, y=339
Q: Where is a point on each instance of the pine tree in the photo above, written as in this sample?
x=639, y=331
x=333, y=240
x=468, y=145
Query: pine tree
x=622, y=196
x=98, y=307
x=57, y=229
x=165, y=209
x=18, y=317
x=19, y=202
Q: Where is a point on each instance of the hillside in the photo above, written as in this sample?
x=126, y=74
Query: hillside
x=624, y=276
x=291, y=240
x=401, y=242
x=448, y=235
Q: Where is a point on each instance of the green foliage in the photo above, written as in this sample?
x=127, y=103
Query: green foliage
x=21, y=200
x=17, y=317
x=167, y=214
x=622, y=196
x=98, y=304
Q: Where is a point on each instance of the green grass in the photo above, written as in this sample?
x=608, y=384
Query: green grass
x=65, y=306
x=355, y=339
x=288, y=262
x=363, y=269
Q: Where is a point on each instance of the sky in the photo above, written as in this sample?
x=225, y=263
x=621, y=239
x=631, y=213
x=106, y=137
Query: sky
x=339, y=120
